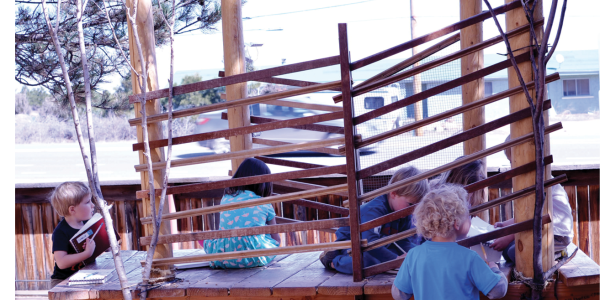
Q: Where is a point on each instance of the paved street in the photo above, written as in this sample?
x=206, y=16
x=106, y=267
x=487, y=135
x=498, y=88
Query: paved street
x=577, y=144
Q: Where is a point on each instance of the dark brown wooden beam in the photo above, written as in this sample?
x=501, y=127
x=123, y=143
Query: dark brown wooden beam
x=313, y=127
x=498, y=178
x=284, y=81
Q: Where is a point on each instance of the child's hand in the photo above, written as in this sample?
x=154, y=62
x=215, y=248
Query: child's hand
x=89, y=247
x=498, y=225
x=501, y=243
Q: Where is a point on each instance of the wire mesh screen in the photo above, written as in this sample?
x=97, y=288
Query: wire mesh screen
x=410, y=141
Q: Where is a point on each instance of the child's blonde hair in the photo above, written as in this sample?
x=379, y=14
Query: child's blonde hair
x=69, y=193
x=436, y=214
x=416, y=190
x=464, y=175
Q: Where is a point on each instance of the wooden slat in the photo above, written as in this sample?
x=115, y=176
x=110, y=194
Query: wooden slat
x=447, y=142
x=305, y=282
x=242, y=154
x=351, y=155
x=253, y=253
x=220, y=184
x=47, y=230
x=583, y=219
x=38, y=245
x=572, y=195
x=250, y=76
x=389, y=239
x=272, y=124
x=438, y=62
x=268, y=229
x=498, y=178
x=463, y=160
x=311, y=106
x=380, y=285
x=247, y=203
x=303, y=186
x=387, y=218
x=581, y=270
x=595, y=222
x=312, y=127
x=341, y=284
x=321, y=206
x=438, y=89
x=432, y=36
x=284, y=81
x=30, y=257
x=503, y=231
x=290, y=163
x=495, y=211
x=234, y=103
x=267, y=142
x=20, y=261
x=449, y=113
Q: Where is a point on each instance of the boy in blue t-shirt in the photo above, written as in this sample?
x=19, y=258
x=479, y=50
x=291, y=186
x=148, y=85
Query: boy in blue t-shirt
x=440, y=268
x=399, y=199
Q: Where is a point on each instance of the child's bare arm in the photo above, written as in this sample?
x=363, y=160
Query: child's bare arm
x=64, y=260
x=399, y=295
x=275, y=236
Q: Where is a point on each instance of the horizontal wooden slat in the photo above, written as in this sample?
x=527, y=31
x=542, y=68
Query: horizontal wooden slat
x=385, y=266
x=248, y=203
x=449, y=113
x=285, y=81
x=312, y=106
x=503, y=231
x=267, y=142
x=304, y=186
x=498, y=178
x=461, y=161
x=448, y=142
x=221, y=184
x=321, y=206
x=268, y=229
x=250, y=76
x=272, y=125
x=242, y=154
x=281, y=220
x=313, y=127
x=387, y=218
x=253, y=253
x=239, y=102
x=290, y=163
x=432, y=36
x=389, y=239
x=438, y=89
x=440, y=61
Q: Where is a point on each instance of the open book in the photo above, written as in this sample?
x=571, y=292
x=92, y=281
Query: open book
x=95, y=229
x=90, y=276
x=479, y=226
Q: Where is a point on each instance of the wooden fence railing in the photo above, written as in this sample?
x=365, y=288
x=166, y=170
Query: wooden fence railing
x=35, y=219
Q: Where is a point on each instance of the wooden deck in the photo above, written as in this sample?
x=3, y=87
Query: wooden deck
x=295, y=276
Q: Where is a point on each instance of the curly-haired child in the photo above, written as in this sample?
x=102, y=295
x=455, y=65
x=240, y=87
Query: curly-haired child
x=440, y=268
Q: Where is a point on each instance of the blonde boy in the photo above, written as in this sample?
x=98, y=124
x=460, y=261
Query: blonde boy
x=73, y=201
x=385, y=204
x=440, y=268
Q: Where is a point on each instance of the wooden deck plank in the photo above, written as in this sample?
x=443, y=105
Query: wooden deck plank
x=218, y=283
x=581, y=270
x=112, y=289
x=380, y=284
x=305, y=282
x=261, y=283
x=341, y=284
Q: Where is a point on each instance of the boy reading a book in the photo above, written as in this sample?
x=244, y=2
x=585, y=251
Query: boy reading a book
x=383, y=205
x=72, y=201
x=440, y=268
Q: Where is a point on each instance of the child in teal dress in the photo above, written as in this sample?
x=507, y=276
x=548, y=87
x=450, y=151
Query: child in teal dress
x=253, y=216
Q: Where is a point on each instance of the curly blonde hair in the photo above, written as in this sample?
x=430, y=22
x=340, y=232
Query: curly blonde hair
x=436, y=214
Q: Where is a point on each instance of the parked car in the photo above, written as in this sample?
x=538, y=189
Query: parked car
x=212, y=121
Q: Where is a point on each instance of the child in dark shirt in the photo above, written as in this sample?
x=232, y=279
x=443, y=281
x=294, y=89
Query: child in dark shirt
x=73, y=201
x=385, y=204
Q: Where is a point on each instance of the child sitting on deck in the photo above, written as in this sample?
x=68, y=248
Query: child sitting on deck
x=464, y=175
x=440, y=268
x=253, y=216
x=562, y=221
x=385, y=204
x=73, y=202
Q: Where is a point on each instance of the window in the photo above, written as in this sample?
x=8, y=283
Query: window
x=488, y=89
x=576, y=87
x=373, y=102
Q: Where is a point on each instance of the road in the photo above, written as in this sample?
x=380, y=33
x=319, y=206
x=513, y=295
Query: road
x=577, y=144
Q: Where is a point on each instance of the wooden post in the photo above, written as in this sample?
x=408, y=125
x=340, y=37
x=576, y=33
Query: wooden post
x=417, y=78
x=524, y=153
x=351, y=154
x=145, y=25
x=233, y=50
x=474, y=90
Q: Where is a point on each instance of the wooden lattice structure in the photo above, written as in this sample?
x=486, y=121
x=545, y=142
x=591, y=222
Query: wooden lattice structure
x=348, y=145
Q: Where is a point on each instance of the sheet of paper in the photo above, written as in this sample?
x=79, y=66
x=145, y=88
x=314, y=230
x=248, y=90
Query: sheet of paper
x=479, y=226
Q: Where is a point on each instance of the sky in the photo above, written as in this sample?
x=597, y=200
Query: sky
x=308, y=30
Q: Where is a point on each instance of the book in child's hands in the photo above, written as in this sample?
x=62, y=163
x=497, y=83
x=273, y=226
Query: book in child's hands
x=479, y=226
x=95, y=229
x=90, y=276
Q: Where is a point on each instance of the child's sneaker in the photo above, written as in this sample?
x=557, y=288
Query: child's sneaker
x=327, y=257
